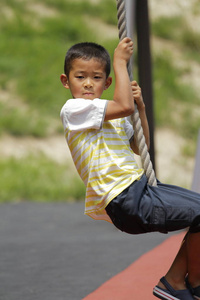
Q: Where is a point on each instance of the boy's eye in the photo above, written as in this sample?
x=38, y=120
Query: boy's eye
x=97, y=77
x=80, y=77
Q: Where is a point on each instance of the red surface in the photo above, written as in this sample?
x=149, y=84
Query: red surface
x=137, y=281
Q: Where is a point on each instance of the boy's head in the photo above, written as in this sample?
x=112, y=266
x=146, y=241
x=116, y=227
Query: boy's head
x=87, y=69
x=87, y=51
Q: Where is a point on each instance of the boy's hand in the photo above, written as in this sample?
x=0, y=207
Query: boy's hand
x=137, y=97
x=124, y=50
x=137, y=94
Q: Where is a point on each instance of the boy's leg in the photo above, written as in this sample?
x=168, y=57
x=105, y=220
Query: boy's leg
x=187, y=261
x=193, y=256
x=178, y=270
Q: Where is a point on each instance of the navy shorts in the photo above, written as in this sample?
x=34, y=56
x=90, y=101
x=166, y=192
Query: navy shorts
x=142, y=208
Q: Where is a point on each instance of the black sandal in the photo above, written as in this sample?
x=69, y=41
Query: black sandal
x=194, y=291
x=170, y=293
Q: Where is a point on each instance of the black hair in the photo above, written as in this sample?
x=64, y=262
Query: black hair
x=87, y=51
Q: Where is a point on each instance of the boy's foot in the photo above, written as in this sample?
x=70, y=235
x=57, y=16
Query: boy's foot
x=170, y=293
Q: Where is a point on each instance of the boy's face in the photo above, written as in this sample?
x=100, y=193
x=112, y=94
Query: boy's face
x=87, y=79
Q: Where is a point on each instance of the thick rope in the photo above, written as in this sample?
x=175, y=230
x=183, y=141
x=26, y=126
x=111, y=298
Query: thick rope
x=140, y=139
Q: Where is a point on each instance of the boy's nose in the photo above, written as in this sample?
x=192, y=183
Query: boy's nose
x=88, y=83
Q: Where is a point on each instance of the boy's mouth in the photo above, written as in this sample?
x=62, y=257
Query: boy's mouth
x=88, y=93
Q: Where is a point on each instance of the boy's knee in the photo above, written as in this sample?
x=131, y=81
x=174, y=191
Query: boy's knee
x=195, y=227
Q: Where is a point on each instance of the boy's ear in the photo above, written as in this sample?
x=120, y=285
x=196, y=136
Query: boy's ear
x=64, y=80
x=108, y=83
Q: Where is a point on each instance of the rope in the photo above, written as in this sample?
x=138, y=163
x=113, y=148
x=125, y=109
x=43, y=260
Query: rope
x=140, y=139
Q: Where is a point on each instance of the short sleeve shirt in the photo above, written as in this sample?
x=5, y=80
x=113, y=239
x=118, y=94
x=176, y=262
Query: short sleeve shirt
x=101, y=152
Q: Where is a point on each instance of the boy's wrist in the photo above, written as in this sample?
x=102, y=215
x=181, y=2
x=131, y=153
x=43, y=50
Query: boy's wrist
x=119, y=63
x=141, y=107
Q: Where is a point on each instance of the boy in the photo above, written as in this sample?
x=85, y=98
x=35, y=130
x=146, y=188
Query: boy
x=102, y=145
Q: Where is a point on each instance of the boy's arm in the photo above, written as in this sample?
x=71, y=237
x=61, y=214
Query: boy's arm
x=122, y=104
x=137, y=95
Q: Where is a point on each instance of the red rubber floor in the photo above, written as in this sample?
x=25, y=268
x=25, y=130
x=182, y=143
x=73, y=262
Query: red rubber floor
x=137, y=281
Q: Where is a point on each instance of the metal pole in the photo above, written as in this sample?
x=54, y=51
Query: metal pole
x=196, y=175
x=130, y=21
x=144, y=66
x=130, y=17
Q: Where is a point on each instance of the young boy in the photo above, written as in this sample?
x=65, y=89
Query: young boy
x=101, y=140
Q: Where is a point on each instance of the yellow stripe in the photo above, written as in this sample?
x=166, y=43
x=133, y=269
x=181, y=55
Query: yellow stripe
x=97, y=149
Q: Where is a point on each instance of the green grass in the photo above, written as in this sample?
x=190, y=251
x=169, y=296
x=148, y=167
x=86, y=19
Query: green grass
x=168, y=27
x=178, y=31
x=33, y=58
x=171, y=92
x=175, y=99
x=38, y=179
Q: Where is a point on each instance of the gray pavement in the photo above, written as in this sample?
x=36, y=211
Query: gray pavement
x=54, y=252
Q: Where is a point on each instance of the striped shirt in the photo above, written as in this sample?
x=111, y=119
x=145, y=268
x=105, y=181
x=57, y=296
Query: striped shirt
x=101, y=152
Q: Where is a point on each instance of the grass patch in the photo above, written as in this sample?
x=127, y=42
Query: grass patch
x=34, y=56
x=38, y=179
x=19, y=123
x=168, y=87
x=175, y=102
x=176, y=29
x=169, y=28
